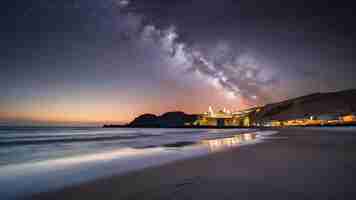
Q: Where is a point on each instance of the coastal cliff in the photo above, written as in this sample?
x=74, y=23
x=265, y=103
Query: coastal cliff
x=317, y=104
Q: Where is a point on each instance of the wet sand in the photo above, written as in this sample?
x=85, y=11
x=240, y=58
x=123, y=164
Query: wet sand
x=297, y=163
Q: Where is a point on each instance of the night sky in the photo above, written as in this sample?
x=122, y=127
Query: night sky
x=107, y=61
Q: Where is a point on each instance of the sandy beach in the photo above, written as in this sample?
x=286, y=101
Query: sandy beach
x=296, y=163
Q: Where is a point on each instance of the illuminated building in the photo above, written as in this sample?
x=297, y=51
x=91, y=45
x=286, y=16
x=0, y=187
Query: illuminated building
x=349, y=118
x=224, y=118
x=250, y=117
x=315, y=120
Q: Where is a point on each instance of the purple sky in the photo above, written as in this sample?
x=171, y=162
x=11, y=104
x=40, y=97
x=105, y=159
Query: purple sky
x=80, y=61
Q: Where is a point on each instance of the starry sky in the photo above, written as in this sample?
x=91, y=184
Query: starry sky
x=107, y=61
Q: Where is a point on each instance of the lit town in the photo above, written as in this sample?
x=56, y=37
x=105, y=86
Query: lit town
x=249, y=118
x=320, y=109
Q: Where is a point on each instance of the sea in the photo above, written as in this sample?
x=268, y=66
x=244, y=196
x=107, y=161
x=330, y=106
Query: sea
x=39, y=159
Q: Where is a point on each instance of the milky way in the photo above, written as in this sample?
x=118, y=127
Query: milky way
x=239, y=75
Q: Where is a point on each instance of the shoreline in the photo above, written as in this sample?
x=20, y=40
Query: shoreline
x=227, y=127
x=293, y=164
x=22, y=180
x=174, y=127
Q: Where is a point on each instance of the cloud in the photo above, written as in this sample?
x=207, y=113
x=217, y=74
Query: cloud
x=123, y=3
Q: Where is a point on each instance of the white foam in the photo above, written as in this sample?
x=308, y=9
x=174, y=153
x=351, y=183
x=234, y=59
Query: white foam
x=265, y=133
x=25, y=179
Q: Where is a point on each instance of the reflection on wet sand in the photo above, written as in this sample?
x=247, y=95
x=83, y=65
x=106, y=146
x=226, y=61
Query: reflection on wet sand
x=224, y=143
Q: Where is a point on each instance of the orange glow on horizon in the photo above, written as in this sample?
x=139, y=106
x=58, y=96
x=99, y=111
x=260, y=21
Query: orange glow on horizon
x=113, y=109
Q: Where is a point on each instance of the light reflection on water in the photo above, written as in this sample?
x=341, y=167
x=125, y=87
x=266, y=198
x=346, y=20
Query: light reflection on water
x=27, y=178
x=220, y=144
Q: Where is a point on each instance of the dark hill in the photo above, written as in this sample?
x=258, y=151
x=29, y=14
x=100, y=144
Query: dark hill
x=169, y=119
x=145, y=120
x=333, y=103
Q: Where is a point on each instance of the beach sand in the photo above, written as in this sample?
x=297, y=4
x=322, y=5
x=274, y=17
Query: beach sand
x=297, y=163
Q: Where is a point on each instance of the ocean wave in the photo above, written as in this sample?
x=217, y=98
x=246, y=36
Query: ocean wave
x=54, y=139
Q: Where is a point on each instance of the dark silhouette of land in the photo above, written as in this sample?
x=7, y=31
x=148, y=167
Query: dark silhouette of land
x=167, y=120
x=332, y=104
